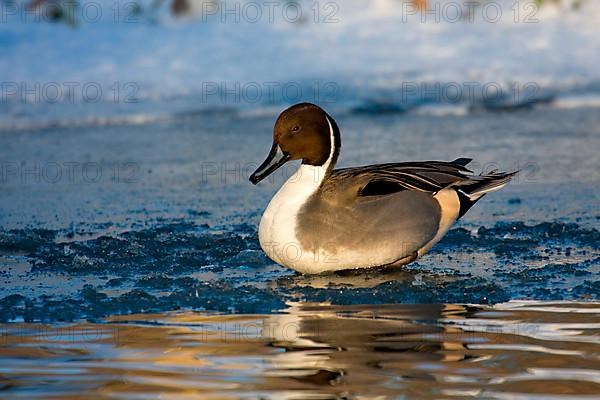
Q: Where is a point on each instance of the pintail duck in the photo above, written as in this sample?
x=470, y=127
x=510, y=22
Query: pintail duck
x=324, y=220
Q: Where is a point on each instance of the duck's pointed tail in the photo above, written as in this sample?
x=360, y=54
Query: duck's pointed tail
x=473, y=189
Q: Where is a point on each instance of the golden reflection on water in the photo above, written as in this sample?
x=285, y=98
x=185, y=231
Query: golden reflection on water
x=512, y=350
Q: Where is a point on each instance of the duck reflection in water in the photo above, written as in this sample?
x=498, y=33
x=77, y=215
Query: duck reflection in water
x=333, y=346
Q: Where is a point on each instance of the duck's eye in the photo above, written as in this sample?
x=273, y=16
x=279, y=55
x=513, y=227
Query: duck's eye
x=296, y=129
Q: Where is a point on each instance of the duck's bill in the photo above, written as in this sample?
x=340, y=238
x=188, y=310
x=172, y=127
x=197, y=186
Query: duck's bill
x=275, y=159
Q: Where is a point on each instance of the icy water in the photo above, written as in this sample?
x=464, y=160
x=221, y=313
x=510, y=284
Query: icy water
x=515, y=350
x=137, y=273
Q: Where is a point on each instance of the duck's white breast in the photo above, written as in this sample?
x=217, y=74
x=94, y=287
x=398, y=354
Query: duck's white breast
x=277, y=230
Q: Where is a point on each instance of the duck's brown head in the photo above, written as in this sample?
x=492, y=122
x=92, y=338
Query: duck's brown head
x=302, y=132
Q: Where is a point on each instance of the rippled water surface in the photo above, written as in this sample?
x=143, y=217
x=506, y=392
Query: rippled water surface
x=314, y=351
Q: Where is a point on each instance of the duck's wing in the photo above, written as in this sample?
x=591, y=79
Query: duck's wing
x=426, y=176
x=382, y=179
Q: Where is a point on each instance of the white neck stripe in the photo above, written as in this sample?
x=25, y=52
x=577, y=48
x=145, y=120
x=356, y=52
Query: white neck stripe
x=331, y=144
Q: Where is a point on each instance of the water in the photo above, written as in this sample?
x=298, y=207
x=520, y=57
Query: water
x=513, y=350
